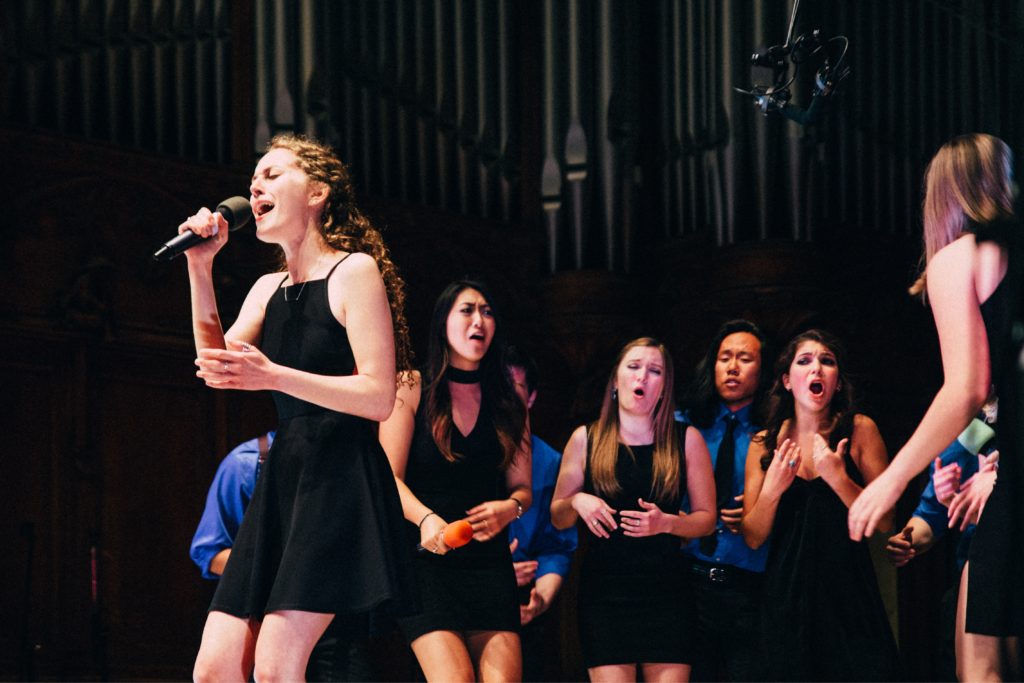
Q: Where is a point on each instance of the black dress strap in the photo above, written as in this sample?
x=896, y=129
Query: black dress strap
x=280, y=285
x=327, y=298
x=340, y=261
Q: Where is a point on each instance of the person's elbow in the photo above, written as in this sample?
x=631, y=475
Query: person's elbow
x=752, y=538
x=979, y=395
x=380, y=401
x=559, y=520
x=705, y=522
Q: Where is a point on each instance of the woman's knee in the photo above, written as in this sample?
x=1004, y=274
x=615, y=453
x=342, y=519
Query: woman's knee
x=212, y=669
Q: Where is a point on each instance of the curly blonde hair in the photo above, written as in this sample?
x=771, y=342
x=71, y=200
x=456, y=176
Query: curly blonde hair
x=345, y=228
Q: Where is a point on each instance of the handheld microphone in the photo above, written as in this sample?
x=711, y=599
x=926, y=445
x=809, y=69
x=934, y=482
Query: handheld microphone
x=455, y=535
x=236, y=211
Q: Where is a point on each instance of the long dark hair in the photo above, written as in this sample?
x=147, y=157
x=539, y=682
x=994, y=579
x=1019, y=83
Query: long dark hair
x=702, y=399
x=780, y=408
x=497, y=393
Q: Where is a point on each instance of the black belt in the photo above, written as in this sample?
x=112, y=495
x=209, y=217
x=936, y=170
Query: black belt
x=723, y=575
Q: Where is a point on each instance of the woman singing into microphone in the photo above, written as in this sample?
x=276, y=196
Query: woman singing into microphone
x=625, y=476
x=460, y=448
x=322, y=535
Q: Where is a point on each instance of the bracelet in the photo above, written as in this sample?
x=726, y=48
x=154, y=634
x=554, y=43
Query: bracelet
x=519, y=507
x=420, y=525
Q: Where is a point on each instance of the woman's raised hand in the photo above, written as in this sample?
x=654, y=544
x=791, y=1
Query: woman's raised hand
x=205, y=223
x=946, y=480
x=782, y=469
x=829, y=463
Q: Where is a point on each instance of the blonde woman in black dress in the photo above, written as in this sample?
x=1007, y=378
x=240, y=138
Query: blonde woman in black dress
x=624, y=476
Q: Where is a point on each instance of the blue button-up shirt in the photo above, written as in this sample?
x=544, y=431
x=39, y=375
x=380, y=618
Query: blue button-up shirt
x=977, y=438
x=226, y=501
x=538, y=539
x=731, y=549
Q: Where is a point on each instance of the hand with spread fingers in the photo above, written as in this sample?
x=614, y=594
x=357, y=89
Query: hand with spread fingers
x=595, y=513
x=873, y=503
x=240, y=366
x=646, y=522
x=828, y=463
x=782, y=470
x=969, y=502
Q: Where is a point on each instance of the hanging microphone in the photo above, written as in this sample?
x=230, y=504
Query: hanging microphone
x=455, y=535
x=236, y=211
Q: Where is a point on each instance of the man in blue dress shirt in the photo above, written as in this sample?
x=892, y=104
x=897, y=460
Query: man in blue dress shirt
x=226, y=501
x=725, y=573
x=541, y=553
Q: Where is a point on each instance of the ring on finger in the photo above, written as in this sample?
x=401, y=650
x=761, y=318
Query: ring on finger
x=791, y=463
x=225, y=365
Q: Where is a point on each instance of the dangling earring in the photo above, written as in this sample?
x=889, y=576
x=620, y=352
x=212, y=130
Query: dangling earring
x=615, y=394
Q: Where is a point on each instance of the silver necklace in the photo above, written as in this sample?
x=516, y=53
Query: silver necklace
x=303, y=287
x=297, y=296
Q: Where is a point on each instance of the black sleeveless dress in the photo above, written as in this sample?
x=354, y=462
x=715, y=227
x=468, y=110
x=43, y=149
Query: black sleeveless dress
x=323, y=532
x=822, y=616
x=995, y=600
x=634, y=596
x=472, y=588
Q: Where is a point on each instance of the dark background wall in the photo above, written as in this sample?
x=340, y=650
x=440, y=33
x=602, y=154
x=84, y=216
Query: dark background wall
x=590, y=160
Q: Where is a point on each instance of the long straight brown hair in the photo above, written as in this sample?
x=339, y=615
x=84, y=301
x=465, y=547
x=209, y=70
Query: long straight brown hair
x=605, y=433
x=969, y=178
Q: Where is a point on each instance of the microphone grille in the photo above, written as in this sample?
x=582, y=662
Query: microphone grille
x=236, y=211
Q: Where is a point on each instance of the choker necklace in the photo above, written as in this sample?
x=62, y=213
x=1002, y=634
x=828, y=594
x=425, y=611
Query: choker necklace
x=454, y=374
x=298, y=296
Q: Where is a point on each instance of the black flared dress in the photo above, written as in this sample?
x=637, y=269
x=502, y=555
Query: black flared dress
x=323, y=532
x=822, y=614
x=634, y=596
x=472, y=588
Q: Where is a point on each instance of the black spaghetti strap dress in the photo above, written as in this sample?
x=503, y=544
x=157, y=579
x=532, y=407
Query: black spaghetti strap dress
x=995, y=598
x=633, y=602
x=472, y=588
x=323, y=532
x=822, y=616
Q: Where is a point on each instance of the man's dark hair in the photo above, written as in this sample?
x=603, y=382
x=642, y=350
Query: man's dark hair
x=516, y=357
x=702, y=399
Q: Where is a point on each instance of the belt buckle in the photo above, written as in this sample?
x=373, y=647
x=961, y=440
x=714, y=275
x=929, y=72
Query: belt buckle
x=717, y=575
